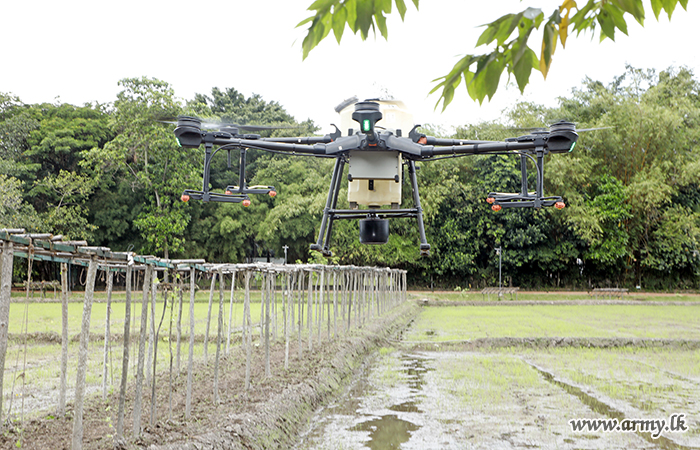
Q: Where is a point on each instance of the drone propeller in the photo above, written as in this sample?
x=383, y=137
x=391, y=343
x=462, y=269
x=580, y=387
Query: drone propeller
x=559, y=124
x=215, y=125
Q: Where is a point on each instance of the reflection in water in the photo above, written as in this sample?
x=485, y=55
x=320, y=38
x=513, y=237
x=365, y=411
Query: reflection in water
x=386, y=432
x=406, y=407
x=389, y=431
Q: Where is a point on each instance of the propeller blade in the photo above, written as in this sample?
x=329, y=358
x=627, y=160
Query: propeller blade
x=215, y=125
x=593, y=129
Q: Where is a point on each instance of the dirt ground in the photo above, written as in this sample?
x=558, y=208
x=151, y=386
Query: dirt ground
x=269, y=415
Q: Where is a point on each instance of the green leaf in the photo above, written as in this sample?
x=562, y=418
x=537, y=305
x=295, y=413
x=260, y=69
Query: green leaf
x=523, y=67
x=656, y=6
x=365, y=13
x=401, y=6
x=382, y=6
x=607, y=25
x=305, y=21
x=548, y=45
x=617, y=16
x=320, y=5
x=381, y=24
x=634, y=7
x=339, y=20
x=351, y=11
x=670, y=6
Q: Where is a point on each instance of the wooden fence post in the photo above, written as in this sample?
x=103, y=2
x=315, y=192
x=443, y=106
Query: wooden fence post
x=188, y=398
x=125, y=354
x=247, y=329
x=147, y=279
x=211, y=300
x=108, y=317
x=180, y=293
x=77, y=443
x=230, y=311
x=219, y=336
x=266, y=294
x=5, y=292
x=64, y=341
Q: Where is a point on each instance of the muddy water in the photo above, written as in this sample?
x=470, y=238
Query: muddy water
x=388, y=407
x=459, y=400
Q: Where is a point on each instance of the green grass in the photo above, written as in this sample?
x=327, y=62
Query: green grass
x=483, y=380
x=46, y=317
x=475, y=296
x=647, y=379
x=625, y=321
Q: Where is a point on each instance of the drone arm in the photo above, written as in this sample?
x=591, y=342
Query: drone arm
x=318, y=149
x=431, y=140
x=475, y=149
x=301, y=140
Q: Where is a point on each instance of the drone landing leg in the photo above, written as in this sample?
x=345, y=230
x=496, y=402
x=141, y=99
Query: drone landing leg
x=326, y=247
x=540, y=176
x=424, y=246
x=523, y=170
x=332, y=191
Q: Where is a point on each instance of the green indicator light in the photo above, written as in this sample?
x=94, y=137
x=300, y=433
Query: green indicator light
x=365, y=125
x=572, y=147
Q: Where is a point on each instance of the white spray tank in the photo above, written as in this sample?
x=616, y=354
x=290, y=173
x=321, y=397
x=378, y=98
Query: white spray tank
x=375, y=177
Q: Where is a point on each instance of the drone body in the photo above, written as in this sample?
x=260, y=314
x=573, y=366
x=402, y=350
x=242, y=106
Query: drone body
x=375, y=156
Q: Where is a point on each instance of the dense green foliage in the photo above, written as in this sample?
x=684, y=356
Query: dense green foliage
x=114, y=174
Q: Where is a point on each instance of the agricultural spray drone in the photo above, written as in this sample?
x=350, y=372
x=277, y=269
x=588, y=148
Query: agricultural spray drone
x=375, y=156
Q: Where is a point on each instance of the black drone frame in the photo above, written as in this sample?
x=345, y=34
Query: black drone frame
x=374, y=226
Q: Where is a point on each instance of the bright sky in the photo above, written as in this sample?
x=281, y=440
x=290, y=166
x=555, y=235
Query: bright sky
x=77, y=51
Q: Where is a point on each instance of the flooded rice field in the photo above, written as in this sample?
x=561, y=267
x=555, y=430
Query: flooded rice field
x=511, y=398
